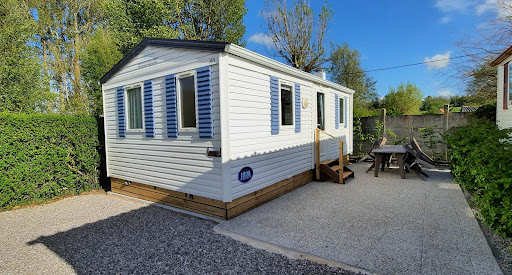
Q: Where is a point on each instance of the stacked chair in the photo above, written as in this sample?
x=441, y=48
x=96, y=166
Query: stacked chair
x=370, y=156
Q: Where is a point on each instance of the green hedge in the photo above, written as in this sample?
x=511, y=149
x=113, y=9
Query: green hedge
x=481, y=156
x=46, y=156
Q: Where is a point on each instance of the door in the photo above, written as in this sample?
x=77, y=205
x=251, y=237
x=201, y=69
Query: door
x=320, y=110
x=320, y=121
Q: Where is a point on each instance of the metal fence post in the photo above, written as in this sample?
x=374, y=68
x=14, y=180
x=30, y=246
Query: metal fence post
x=383, y=122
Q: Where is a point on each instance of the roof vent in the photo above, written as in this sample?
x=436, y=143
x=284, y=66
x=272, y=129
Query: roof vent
x=321, y=74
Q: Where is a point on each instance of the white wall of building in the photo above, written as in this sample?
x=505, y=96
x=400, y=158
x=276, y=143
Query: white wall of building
x=503, y=117
x=179, y=164
x=274, y=158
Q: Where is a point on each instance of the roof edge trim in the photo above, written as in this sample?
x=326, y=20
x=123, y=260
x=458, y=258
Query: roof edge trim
x=214, y=46
x=503, y=56
x=269, y=62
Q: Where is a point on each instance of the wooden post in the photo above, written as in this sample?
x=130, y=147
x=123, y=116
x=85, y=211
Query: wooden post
x=446, y=115
x=317, y=154
x=341, y=164
x=383, y=122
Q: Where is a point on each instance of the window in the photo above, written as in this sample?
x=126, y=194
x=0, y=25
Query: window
x=286, y=105
x=187, y=96
x=341, y=113
x=134, y=97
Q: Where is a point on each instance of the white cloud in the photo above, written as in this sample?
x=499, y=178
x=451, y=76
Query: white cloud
x=479, y=7
x=488, y=5
x=445, y=19
x=453, y=5
x=492, y=6
x=445, y=93
x=437, y=61
x=261, y=38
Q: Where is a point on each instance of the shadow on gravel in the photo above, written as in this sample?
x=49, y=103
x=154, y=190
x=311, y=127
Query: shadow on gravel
x=152, y=240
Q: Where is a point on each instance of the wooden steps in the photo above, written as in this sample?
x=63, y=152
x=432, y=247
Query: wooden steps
x=331, y=168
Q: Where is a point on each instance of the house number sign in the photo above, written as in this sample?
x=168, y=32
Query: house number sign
x=245, y=174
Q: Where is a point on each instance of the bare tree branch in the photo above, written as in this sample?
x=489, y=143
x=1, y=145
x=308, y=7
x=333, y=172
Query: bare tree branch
x=296, y=34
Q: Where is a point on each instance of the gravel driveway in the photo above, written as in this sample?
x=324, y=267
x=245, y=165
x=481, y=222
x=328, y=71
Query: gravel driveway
x=105, y=234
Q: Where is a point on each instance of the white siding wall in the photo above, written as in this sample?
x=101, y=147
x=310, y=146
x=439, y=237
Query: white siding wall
x=181, y=163
x=503, y=117
x=272, y=157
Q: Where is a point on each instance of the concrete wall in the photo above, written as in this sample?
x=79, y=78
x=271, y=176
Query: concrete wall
x=405, y=126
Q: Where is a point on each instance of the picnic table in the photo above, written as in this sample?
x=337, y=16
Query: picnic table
x=383, y=153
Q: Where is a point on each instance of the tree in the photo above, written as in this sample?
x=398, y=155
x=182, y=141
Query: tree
x=100, y=55
x=132, y=20
x=458, y=100
x=489, y=40
x=21, y=89
x=63, y=29
x=296, y=34
x=434, y=105
x=345, y=69
x=482, y=85
x=406, y=99
x=220, y=20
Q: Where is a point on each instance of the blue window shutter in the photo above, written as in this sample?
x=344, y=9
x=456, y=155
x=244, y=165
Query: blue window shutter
x=148, y=108
x=170, y=106
x=297, y=108
x=345, y=109
x=274, y=105
x=120, y=112
x=204, y=102
x=336, y=112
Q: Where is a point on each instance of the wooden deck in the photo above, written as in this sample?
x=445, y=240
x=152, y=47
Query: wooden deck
x=206, y=206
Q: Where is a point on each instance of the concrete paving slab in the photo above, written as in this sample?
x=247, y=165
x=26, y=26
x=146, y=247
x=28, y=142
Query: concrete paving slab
x=386, y=225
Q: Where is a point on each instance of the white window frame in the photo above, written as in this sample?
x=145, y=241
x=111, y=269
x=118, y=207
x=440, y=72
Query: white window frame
x=178, y=99
x=130, y=87
x=340, y=113
x=292, y=90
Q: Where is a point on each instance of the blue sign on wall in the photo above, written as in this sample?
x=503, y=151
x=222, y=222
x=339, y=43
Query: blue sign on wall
x=245, y=174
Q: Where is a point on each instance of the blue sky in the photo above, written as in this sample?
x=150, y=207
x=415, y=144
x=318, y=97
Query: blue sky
x=393, y=33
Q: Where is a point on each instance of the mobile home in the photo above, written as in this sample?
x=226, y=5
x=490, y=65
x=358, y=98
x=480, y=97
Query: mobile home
x=504, y=92
x=217, y=129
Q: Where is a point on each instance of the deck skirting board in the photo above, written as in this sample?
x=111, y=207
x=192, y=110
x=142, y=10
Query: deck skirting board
x=206, y=206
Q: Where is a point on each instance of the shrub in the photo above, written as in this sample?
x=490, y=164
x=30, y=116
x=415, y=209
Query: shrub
x=487, y=112
x=46, y=156
x=481, y=157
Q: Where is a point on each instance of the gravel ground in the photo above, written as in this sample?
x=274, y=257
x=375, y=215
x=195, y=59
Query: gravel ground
x=103, y=234
x=501, y=246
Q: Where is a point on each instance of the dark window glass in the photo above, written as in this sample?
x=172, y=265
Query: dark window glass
x=286, y=106
x=342, y=113
x=188, y=102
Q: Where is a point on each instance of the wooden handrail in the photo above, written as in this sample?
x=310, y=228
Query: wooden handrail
x=317, y=154
x=329, y=135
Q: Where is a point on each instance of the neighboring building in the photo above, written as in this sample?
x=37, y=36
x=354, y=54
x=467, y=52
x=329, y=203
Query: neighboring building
x=467, y=109
x=504, y=102
x=214, y=128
